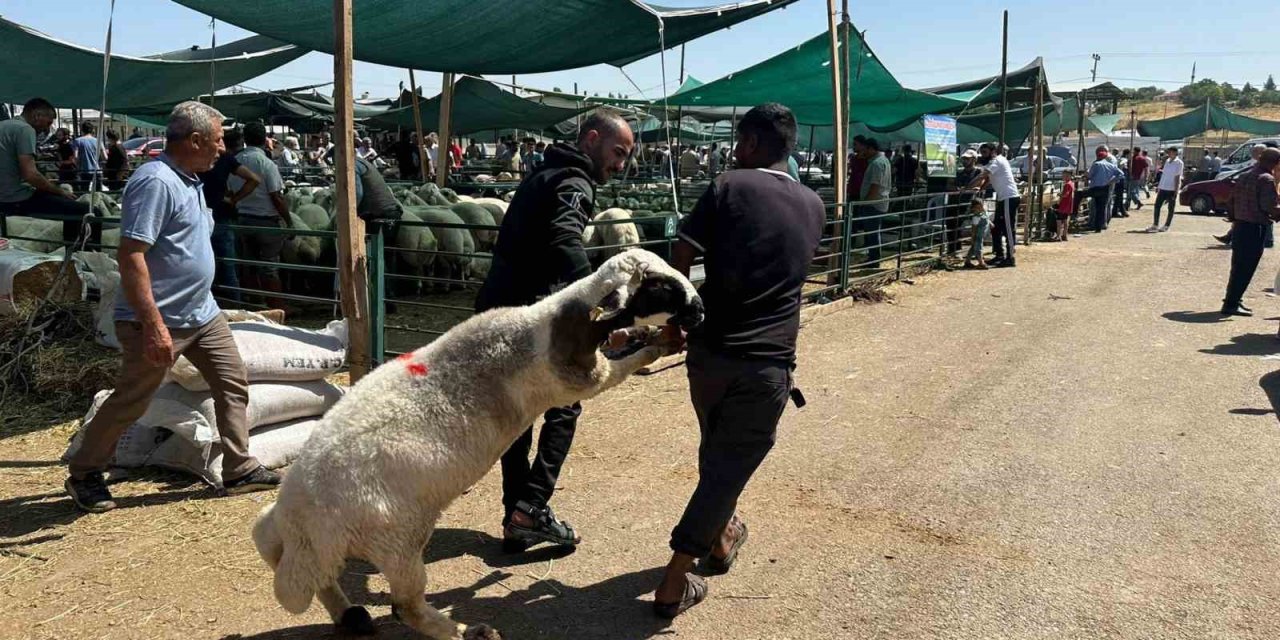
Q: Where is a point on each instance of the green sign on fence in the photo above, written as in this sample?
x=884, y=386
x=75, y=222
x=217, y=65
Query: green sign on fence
x=670, y=228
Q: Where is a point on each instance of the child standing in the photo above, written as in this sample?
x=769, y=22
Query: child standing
x=1066, y=206
x=981, y=219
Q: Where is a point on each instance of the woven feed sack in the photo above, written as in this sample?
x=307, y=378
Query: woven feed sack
x=274, y=446
x=277, y=353
x=27, y=277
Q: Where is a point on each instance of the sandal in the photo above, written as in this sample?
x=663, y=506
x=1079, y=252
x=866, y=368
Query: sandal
x=695, y=591
x=546, y=528
x=713, y=566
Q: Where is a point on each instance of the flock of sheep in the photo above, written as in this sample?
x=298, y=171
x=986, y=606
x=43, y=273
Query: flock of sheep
x=444, y=238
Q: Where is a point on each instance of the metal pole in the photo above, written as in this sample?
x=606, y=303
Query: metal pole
x=1004, y=78
x=353, y=278
x=1080, y=132
x=839, y=55
x=446, y=116
x=417, y=125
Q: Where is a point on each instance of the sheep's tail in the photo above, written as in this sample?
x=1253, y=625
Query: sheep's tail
x=292, y=557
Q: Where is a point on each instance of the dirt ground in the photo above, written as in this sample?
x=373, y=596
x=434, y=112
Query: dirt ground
x=1076, y=448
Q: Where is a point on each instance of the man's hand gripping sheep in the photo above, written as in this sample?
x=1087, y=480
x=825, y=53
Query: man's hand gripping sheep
x=415, y=433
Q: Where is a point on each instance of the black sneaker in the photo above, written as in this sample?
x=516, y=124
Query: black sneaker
x=90, y=493
x=260, y=479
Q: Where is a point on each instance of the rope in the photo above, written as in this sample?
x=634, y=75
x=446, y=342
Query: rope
x=666, y=113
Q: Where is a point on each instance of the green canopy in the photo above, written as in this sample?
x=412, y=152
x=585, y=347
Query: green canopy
x=801, y=79
x=1206, y=117
x=983, y=91
x=478, y=105
x=70, y=76
x=688, y=132
x=488, y=36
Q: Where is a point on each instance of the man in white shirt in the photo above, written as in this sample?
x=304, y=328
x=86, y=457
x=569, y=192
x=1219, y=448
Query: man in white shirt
x=1170, y=184
x=999, y=175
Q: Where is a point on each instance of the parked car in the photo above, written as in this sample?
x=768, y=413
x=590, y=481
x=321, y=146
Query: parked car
x=1242, y=156
x=1056, y=167
x=139, y=149
x=1210, y=196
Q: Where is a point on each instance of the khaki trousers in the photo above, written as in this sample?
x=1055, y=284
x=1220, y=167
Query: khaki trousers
x=212, y=349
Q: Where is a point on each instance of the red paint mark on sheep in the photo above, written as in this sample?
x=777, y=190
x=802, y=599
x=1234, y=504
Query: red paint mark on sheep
x=417, y=369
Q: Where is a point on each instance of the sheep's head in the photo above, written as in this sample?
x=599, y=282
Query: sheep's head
x=646, y=291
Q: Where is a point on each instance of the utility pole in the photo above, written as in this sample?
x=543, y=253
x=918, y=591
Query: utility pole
x=1193, y=73
x=1004, y=78
x=1096, y=58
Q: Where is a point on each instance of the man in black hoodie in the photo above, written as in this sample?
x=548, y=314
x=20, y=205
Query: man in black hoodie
x=539, y=251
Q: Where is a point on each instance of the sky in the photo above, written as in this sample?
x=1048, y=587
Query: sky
x=923, y=43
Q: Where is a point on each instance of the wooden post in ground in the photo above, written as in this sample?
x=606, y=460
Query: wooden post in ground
x=417, y=126
x=839, y=54
x=446, y=116
x=1004, y=79
x=1034, y=162
x=353, y=278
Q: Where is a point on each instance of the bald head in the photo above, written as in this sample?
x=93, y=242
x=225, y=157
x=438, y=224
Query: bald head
x=605, y=123
x=606, y=138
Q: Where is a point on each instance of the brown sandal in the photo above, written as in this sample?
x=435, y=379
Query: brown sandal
x=713, y=566
x=695, y=591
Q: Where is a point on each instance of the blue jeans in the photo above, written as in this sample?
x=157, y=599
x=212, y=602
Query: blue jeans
x=1135, y=186
x=979, y=238
x=869, y=223
x=224, y=274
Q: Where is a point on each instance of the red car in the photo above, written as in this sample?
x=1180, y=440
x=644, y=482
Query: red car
x=1210, y=196
x=139, y=149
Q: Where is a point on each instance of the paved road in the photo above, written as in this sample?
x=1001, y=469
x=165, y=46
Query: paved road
x=1077, y=448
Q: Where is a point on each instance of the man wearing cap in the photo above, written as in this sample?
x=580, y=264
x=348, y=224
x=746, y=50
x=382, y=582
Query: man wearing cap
x=1103, y=174
x=965, y=175
x=997, y=173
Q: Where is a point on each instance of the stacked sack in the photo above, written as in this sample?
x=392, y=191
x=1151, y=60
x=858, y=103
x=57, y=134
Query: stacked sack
x=288, y=393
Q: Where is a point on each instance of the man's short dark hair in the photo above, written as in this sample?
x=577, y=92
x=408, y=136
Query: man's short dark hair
x=87, y=128
x=112, y=135
x=872, y=144
x=37, y=105
x=606, y=121
x=233, y=138
x=255, y=134
x=774, y=127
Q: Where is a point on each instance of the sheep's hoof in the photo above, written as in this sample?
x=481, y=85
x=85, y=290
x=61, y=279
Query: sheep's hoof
x=356, y=621
x=481, y=632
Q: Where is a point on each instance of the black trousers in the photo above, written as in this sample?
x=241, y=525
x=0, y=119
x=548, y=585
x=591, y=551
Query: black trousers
x=41, y=202
x=1119, y=191
x=1164, y=196
x=1247, y=239
x=738, y=403
x=1005, y=231
x=1100, y=211
x=535, y=482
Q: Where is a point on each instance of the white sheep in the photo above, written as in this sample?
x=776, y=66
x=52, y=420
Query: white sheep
x=497, y=208
x=421, y=244
x=455, y=241
x=415, y=433
x=477, y=214
x=614, y=238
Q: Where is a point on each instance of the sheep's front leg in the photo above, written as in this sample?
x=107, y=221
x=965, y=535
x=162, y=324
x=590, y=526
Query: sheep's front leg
x=622, y=368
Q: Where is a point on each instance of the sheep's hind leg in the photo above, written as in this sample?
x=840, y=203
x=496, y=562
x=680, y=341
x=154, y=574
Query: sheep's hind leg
x=407, y=579
x=349, y=619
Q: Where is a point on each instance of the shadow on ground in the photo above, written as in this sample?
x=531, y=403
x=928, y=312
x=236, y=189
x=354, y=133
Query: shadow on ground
x=28, y=514
x=1249, y=344
x=1195, y=317
x=547, y=609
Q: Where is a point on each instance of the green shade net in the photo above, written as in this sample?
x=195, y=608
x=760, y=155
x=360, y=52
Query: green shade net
x=1204, y=118
x=983, y=91
x=70, y=76
x=307, y=112
x=487, y=36
x=478, y=105
x=689, y=131
x=801, y=79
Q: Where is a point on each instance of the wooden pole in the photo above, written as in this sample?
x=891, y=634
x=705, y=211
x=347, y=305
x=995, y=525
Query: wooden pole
x=446, y=115
x=1034, y=161
x=1080, y=131
x=1004, y=79
x=848, y=69
x=838, y=173
x=353, y=280
x=417, y=126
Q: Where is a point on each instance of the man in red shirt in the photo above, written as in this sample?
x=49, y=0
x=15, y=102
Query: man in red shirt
x=857, y=168
x=1138, y=166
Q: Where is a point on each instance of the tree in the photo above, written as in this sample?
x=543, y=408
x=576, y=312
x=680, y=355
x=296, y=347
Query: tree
x=1248, y=89
x=1271, y=84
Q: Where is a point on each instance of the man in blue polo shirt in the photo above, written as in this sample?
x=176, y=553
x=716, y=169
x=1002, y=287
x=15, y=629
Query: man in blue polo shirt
x=165, y=309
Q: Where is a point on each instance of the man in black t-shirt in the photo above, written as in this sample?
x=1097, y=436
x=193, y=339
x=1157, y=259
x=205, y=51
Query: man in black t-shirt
x=223, y=204
x=757, y=229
